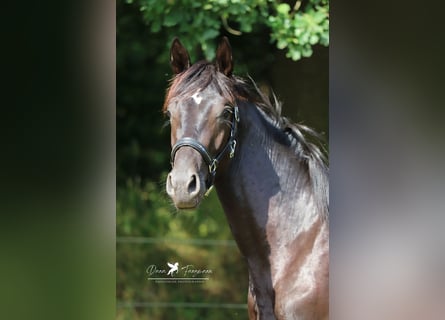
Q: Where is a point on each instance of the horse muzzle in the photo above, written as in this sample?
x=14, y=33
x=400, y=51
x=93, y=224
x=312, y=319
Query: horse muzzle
x=185, y=188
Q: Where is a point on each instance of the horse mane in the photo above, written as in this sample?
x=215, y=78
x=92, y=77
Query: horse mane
x=305, y=142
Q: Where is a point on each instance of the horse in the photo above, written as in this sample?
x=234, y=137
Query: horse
x=270, y=175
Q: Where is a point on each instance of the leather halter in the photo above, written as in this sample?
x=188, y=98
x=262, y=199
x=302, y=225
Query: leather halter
x=212, y=162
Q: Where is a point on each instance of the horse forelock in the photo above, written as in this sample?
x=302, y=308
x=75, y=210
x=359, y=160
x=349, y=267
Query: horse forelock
x=198, y=77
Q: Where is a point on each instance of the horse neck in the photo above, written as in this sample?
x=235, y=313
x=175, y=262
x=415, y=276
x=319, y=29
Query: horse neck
x=264, y=187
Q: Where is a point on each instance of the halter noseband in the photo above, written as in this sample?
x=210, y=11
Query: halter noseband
x=209, y=160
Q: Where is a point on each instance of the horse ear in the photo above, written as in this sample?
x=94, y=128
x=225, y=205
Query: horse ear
x=224, y=60
x=179, y=57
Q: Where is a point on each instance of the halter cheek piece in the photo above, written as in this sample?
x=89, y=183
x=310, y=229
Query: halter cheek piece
x=209, y=160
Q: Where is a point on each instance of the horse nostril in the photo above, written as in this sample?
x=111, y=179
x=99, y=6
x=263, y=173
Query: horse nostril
x=169, y=184
x=193, y=184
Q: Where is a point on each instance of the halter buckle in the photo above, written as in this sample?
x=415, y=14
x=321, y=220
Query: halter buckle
x=236, y=114
x=232, y=149
x=213, y=166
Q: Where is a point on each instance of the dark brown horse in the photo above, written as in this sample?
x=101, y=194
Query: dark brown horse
x=271, y=181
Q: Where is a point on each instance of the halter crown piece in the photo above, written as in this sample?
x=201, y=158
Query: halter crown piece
x=212, y=162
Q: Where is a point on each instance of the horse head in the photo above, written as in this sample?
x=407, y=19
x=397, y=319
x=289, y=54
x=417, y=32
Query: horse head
x=203, y=119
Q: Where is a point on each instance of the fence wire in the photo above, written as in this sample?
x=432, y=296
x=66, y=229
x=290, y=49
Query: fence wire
x=199, y=242
x=199, y=305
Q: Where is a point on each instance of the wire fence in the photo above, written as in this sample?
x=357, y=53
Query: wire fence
x=194, y=242
x=199, y=305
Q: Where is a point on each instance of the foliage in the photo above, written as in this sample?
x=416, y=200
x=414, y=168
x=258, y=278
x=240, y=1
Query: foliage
x=200, y=23
x=142, y=143
x=300, y=30
x=144, y=211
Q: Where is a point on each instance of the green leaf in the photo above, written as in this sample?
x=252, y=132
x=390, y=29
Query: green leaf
x=209, y=34
x=324, y=39
x=313, y=39
x=283, y=8
x=209, y=51
x=295, y=55
x=281, y=44
x=172, y=19
x=307, y=51
x=319, y=16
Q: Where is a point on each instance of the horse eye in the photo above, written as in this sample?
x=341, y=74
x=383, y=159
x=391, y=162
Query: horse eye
x=227, y=113
x=167, y=114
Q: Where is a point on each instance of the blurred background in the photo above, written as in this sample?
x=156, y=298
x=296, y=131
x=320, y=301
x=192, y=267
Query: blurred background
x=282, y=45
x=58, y=205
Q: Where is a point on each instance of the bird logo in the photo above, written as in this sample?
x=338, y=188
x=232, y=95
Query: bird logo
x=173, y=268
